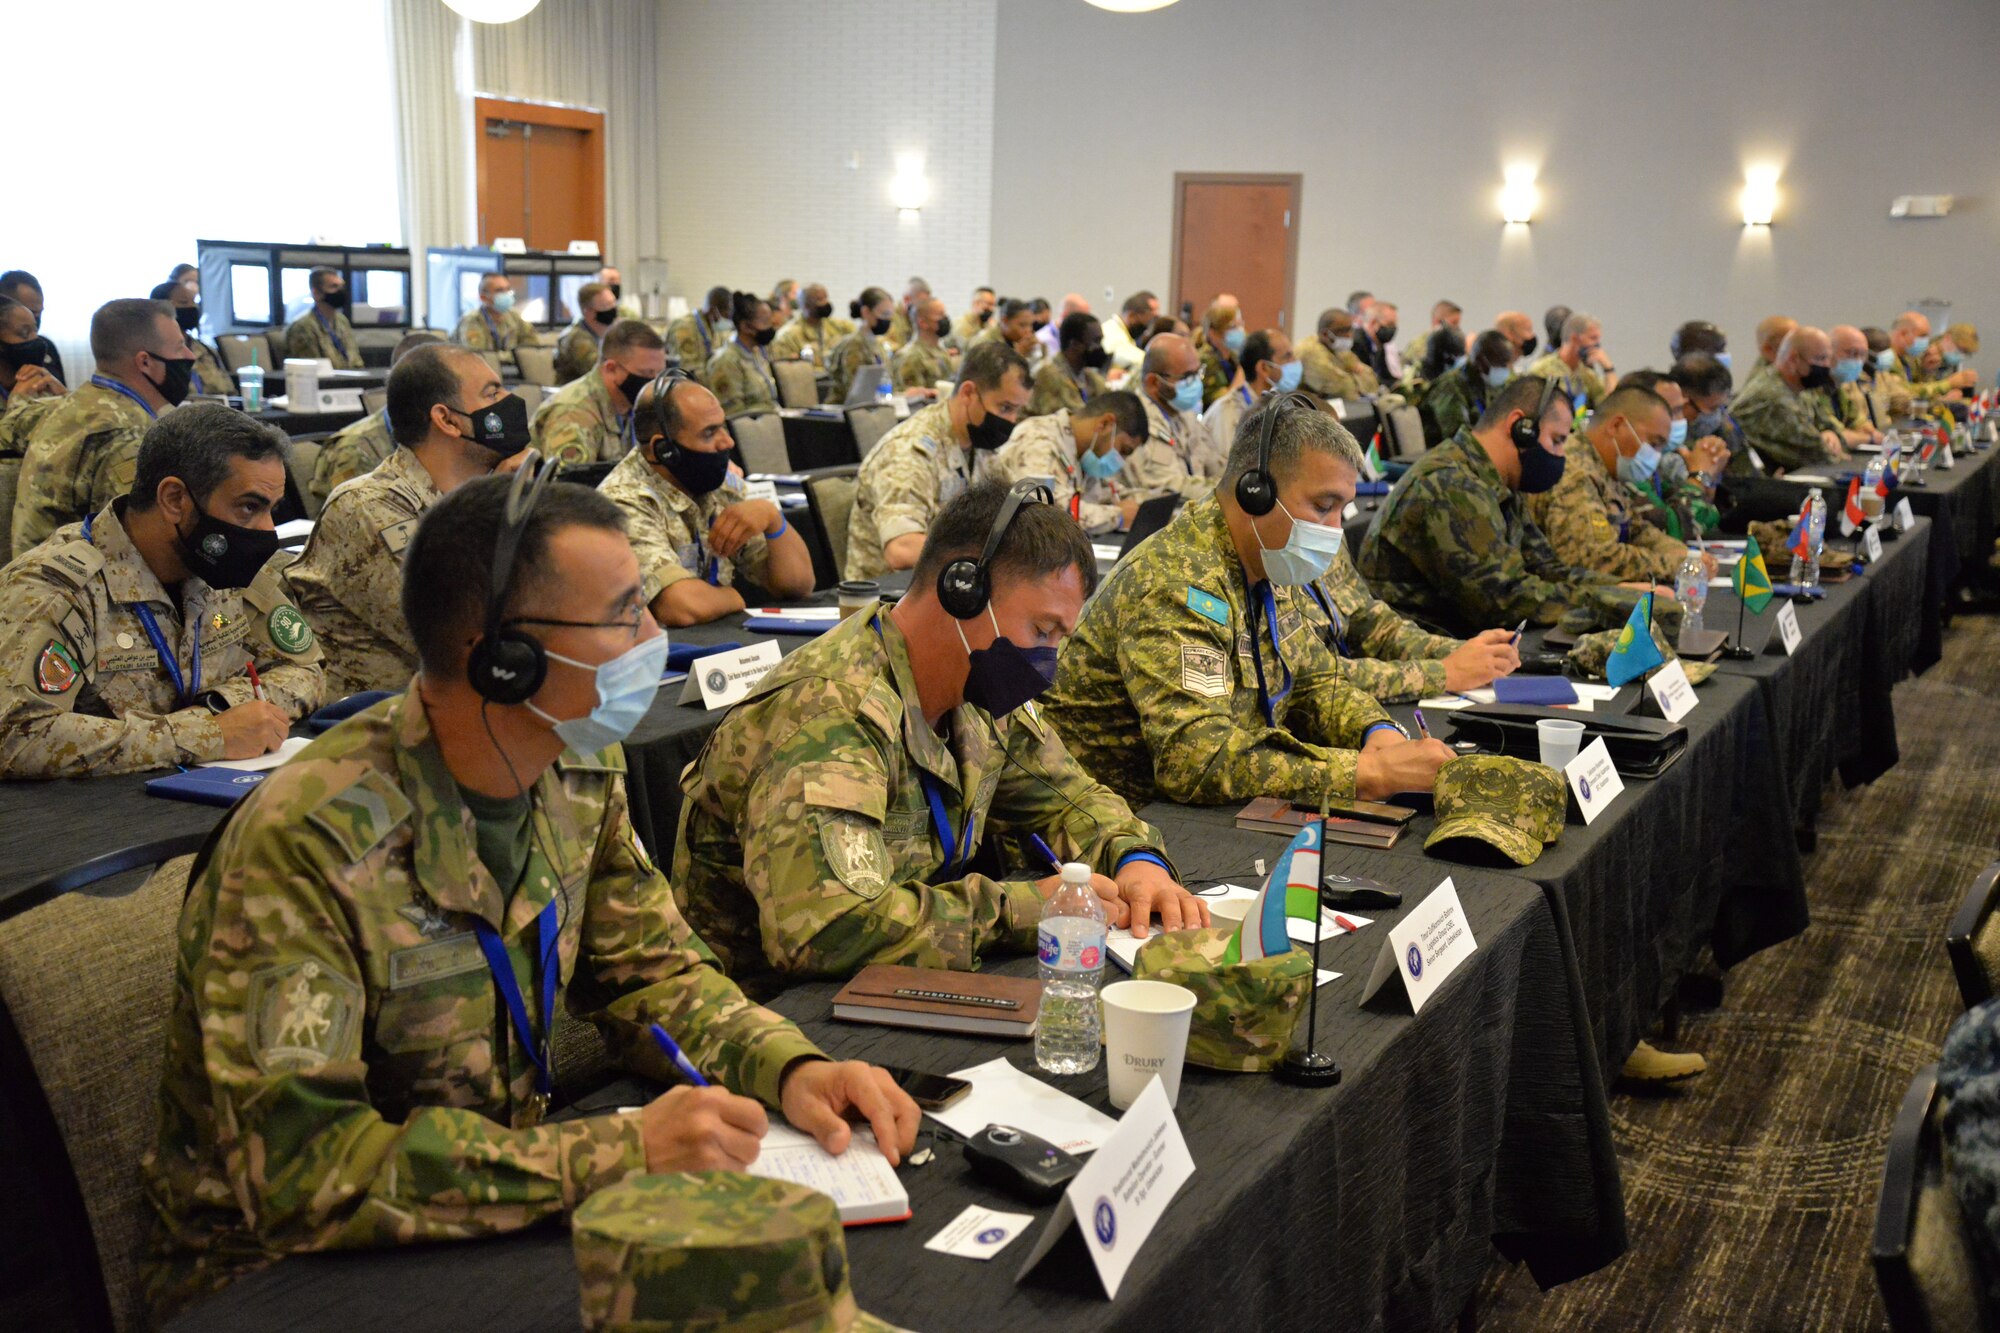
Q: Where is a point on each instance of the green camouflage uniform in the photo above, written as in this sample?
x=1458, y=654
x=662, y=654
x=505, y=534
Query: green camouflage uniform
x=1591, y=523
x=1332, y=374
x=1157, y=694
x=1924, y=384
x=210, y=375
x=349, y=581
x=1178, y=457
x=920, y=367
x=693, y=340
x=306, y=337
x=1456, y=402
x=579, y=424
x=339, y=1071
x=797, y=337
x=86, y=694
x=81, y=457
x=968, y=326
x=1218, y=371
x=1058, y=387
x=356, y=450
x=1454, y=548
x=486, y=330
x=1383, y=655
x=668, y=528
x=1044, y=448
x=1850, y=407
x=849, y=355
x=576, y=351
x=806, y=844
x=1780, y=423
x=912, y=473
x=742, y=380
x=17, y=423
x=1584, y=380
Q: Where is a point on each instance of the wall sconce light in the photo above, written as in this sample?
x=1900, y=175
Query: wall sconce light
x=1518, y=197
x=908, y=190
x=1760, y=196
x=492, y=11
x=1130, y=6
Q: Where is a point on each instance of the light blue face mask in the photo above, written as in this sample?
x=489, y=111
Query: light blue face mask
x=1723, y=359
x=1187, y=394
x=1847, y=370
x=1305, y=556
x=504, y=302
x=625, y=688
x=1456, y=364
x=1234, y=339
x=1101, y=467
x=1951, y=357
x=1498, y=375
x=1920, y=344
x=1289, y=376
x=1885, y=359
x=1677, y=434
x=1640, y=467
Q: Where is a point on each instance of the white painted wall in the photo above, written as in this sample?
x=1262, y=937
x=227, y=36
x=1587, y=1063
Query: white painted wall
x=1641, y=116
x=781, y=121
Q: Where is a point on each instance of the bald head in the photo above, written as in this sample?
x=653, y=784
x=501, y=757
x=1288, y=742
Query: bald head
x=1771, y=332
x=1909, y=326
x=1802, y=349
x=1170, y=359
x=1849, y=343
x=1073, y=304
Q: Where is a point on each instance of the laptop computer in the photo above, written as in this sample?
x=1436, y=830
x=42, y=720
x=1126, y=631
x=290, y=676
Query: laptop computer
x=867, y=382
x=1153, y=515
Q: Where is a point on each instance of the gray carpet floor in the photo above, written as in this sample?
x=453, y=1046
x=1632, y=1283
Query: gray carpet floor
x=1750, y=1193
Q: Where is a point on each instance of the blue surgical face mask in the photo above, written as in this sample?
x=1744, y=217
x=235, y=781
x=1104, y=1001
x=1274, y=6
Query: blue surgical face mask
x=1640, y=467
x=503, y=302
x=1289, y=376
x=1885, y=359
x=1304, y=557
x=1498, y=375
x=1233, y=339
x=1101, y=467
x=1187, y=394
x=1920, y=344
x=1343, y=344
x=1847, y=370
x=625, y=688
x=1677, y=434
x=1951, y=357
x=1723, y=359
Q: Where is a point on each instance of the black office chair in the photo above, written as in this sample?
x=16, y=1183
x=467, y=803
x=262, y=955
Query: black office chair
x=1922, y=1252
x=1972, y=940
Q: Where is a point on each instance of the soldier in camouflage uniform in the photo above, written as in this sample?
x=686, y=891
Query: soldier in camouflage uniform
x=129, y=635
x=929, y=459
x=349, y=580
x=740, y=371
x=1195, y=674
x=28, y=392
x=925, y=360
x=1332, y=369
x=1075, y=372
x=978, y=314
x=323, y=333
x=1393, y=660
x=695, y=535
x=1574, y=363
x=714, y=1251
x=831, y=818
x=697, y=335
x=354, y=451
x=579, y=345
x=1783, y=422
x=334, y=1013
x=1220, y=371
x=860, y=347
x=1179, y=457
x=1453, y=546
x=1111, y=427
x=812, y=333
x=589, y=420
x=1589, y=517
x=1850, y=411
x=494, y=325
x=83, y=454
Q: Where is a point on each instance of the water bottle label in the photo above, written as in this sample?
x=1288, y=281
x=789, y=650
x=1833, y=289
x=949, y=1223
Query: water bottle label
x=1083, y=952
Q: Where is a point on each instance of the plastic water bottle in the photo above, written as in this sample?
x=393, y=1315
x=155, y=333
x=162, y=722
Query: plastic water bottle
x=1871, y=477
x=1805, y=568
x=1691, y=590
x=250, y=379
x=1071, y=940
x=884, y=391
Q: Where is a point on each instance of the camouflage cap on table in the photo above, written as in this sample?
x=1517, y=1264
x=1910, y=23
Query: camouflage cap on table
x=1608, y=606
x=714, y=1250
x=1243, y=1012
x=1772, y=534
x=1593, y=650
x=1509, y=804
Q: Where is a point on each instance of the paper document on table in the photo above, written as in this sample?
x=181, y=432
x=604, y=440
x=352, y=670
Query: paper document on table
x=789, y=478
x=830, y=614
x=1446, y=702
x=265, y=762
x=1808, y=479
x=1003, y=1095
x=1103, y=552
x=1600, y=693
x=296, y=528
x=860, y=1181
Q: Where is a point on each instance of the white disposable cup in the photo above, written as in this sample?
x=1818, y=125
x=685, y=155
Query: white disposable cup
x=1560, y=741
x=1229, y=911
x=1145, y=1036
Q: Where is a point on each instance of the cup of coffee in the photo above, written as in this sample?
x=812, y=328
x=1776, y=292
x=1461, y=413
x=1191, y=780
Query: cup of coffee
x=1560, y=741
x=1145, y=1037
x=858, y=595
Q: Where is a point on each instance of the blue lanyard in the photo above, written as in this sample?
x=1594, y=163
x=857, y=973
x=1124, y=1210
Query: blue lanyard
x=331, y=336
x=707, y=342
x=502, y=968
x=1244, y=390
x=116, y=387
x=166, y=654
x=957, y=851
x=492, y=330
x=1271, y=701
x=1339, y=643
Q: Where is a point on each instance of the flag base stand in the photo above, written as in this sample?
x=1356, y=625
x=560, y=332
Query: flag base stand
x=1309, y=1069
x=1736, y=652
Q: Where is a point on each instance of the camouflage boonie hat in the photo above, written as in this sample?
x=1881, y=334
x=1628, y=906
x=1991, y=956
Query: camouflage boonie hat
x=1509, y=804
x=1771, y=537
x=1594, y=649
x=1243, y=1012
x=1607, y=606
x=713, y=1251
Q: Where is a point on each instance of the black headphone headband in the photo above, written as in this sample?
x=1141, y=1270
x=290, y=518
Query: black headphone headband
x=1527, y=432
x=507, y=666
x=1257, y=489
x=663, y=384
x=965, y=586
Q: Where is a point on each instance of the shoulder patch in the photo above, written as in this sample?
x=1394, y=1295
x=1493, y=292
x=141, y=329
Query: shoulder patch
x=74, y=563
x=288, y=629
x=1207, y=604
x=854, y=852
x=302, y=1016
x=1204, y=670
x=57, y=669
x=359, y=816
x=396, y=537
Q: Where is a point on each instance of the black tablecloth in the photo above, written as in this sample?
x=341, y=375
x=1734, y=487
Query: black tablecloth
x=1374, y=1204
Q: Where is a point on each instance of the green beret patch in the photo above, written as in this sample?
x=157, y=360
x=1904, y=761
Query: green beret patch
x=288, y=629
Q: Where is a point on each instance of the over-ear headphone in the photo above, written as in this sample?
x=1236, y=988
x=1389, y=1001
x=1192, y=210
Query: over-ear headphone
x=1257, y=489
x=1527, y=432
x=663, y=384
x=964, y=586
x=507, y=666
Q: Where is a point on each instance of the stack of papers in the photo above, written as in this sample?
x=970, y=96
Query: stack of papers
x=263, y=763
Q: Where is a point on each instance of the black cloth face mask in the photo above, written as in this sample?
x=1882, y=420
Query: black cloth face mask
x=604, y=319
x=501, y=425
x=223, y=555
x=1817, y=377
x=764, y=337
x=1003, y=675
x=630, y=386
x=33, y=352
x=338, y=300
x=1540, y=470
x=698, y=473
x=822, y=310
x=188, y=317
x=617, y=290
x=990, y=433
x=1096, y=358
x=879, y=327
x=175, y=383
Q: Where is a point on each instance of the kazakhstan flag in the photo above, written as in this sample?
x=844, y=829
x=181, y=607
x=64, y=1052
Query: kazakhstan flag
x=1635, y=653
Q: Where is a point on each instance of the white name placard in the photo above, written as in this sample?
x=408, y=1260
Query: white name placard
x=720, y=679
x=1871, y=544
x=1594, y=779
x=1788, y=628
x=1672, y=691
x=1424, y=948
x=1906, y=518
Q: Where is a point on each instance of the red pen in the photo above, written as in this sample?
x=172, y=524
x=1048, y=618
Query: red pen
x=1344, y=923
x=256, y=684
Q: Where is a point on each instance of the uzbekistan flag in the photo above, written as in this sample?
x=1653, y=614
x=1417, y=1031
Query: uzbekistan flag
x=1751, y=580
x=1290, y=890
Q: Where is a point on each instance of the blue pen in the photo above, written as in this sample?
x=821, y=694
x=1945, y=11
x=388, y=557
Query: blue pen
x=678, y=1056
x=1048, y=853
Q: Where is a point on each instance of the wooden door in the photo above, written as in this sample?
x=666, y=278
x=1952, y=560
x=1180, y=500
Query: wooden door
x=541, y=173
x=1237, y=233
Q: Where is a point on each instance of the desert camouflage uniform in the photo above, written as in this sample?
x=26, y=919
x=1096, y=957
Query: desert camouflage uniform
x=1044, y=448
x=668, y=528
x=1591, y=523
x=1157, y=692
x=1178, y=457
x=81, y=457
x=1056, y=386
x=306, y=337
x=86, y=693
x=578, y=423
x=1332, y=374
x=806, y=844
x=356, y=450
x=742, y=381
x=912, y=473
x=485, y=330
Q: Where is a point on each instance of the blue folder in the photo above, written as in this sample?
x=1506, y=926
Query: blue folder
x=1545, y=690
x=774, y=625
x=681, y=654
x=205, y=786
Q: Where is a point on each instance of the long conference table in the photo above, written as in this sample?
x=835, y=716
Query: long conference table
x=1480, y=1124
